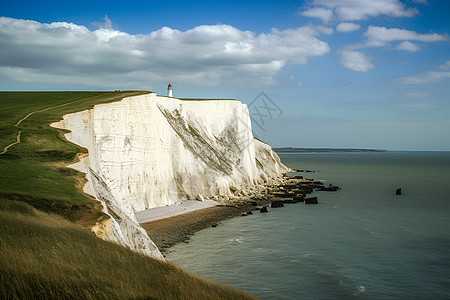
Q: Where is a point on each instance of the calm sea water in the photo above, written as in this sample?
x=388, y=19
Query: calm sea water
x=362, y=242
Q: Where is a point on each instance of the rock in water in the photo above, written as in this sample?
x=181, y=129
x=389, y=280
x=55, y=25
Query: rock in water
x=264, y=209
x=311, y=200
x=277, y=203
x=398, y=192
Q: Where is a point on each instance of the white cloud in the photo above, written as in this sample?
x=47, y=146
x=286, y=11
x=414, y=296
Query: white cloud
x=204, y=55
x=351, y=10
x=325, y=14
x=325, y=30
x=107, y=24
x=380, y=36
x=427, y=77
x=377, y=36
x=445, y=66
x=430, y=76
x=347, y=27
x=356, y=61
x=408, y=46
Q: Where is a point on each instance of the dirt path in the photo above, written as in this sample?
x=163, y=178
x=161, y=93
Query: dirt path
x=38, y=111
x=12, y=144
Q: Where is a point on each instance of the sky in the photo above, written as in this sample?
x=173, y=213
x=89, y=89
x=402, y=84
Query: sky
x=317, y=73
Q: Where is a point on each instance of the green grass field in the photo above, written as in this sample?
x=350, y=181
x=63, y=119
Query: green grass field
x=44, y=253
x=35, y=170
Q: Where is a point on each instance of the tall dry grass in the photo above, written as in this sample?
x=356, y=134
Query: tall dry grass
x=44, y=256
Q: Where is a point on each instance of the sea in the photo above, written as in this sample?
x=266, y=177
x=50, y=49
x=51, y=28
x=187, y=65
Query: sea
x=361, y=242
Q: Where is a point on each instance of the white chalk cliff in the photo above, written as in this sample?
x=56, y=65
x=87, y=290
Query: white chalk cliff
x=149, y=151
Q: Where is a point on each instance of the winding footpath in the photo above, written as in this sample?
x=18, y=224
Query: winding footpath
x=38, y=111
x=10, y=145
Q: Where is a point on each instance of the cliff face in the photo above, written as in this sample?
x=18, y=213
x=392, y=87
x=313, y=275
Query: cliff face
x=149, y=151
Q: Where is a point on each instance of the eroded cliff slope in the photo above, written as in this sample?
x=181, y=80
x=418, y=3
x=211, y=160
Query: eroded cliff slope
x=149, y=151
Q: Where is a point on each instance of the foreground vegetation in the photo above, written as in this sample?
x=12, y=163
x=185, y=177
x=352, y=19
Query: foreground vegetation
x=44, y=253
x=44, y=256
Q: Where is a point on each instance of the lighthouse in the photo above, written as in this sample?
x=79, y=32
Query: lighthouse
x=169, y=90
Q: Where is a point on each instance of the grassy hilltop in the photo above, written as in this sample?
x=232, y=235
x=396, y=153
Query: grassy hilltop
x=35, y=170
x=45, y=252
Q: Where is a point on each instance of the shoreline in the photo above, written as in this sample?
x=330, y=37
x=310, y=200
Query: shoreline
x=164, y=212
x=167, y=232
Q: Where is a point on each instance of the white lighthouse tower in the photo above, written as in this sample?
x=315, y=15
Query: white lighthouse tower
x=169, y=90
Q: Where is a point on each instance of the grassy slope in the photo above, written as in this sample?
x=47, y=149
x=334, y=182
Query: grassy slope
x=44, y=256
x=47, y=257
x=35, y=170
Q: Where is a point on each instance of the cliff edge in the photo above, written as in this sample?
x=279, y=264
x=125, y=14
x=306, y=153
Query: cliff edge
x=149, y=151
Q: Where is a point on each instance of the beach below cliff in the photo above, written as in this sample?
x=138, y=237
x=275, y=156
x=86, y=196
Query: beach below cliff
x=168, y=231
x=170, y=225
x=168, y=211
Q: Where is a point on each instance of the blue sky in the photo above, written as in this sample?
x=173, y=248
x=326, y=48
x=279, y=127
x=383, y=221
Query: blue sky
x=363, y=74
